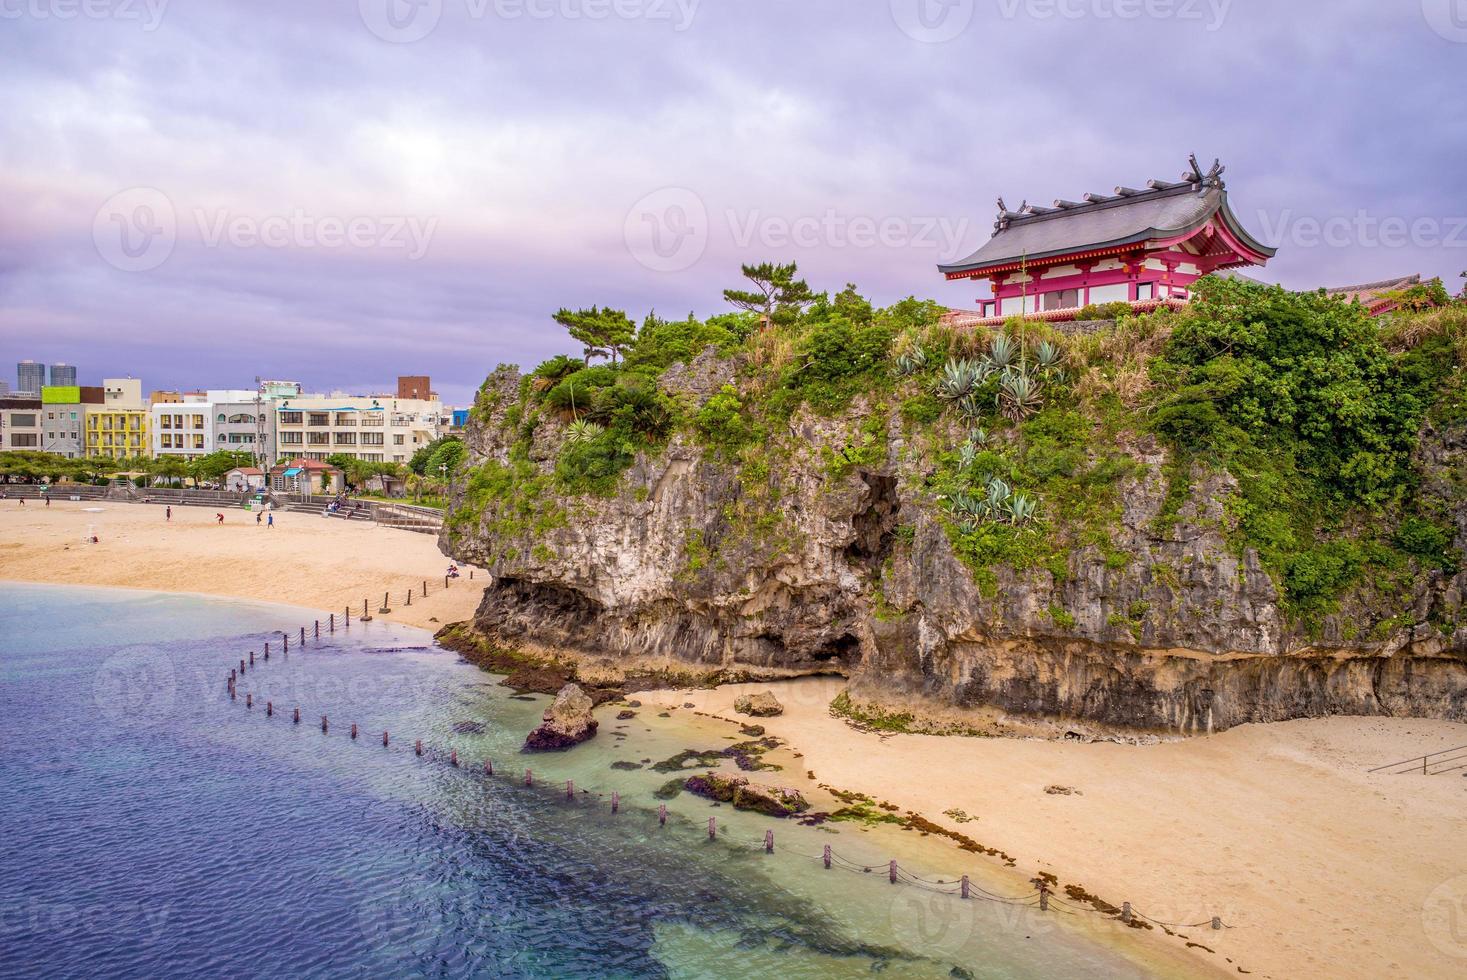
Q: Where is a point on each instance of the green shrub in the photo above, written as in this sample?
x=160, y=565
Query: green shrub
x=577, y=390
x=720, y=423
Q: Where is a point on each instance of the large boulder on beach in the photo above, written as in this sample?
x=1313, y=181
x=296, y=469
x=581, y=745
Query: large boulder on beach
x=773, y=801
x=566, y=722
x=761, y=705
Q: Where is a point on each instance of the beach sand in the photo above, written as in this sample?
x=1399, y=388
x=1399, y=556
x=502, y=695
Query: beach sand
x=305, y=560
x=1323, y=869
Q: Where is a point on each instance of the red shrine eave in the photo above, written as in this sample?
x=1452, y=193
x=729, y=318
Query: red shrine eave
x=1136, y=246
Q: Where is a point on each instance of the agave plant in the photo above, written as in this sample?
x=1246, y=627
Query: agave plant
x=582, y=430
x=1002, y=350
x=958, y=378
x=967, y=456
x=978, y=438
x=1047, y=355
x=1019, y=396
x=999, y=493
x=1021, y=508
x=911, y=362
x=971, y=407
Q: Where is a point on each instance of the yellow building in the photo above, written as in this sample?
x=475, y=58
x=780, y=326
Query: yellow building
x=117, y=432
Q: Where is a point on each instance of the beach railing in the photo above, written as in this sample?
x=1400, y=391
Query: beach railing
x=1430, y=764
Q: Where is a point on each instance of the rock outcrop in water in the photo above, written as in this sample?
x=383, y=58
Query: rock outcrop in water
x=772, y=801
x=761, y=705
x=566, y=722
x=833, y=555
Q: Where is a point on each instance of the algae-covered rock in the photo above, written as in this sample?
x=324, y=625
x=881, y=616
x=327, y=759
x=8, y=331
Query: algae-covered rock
x=566, y=722
x=761, y=705
x=773, y=801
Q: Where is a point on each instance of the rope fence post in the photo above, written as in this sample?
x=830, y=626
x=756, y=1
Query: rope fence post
x=353, y=731
x=713, y=828
x=825, y=858
x=768, y=842
x=318, y=629
x=249, y=700
x=385, y=608
x=418, y=747
x=331, y=622
x=615, y=801
x=364, y=617
x=295, y=718
x=1216, y=922
x=284, y=642
x=410, y=597
x=662, y=814
x=252, y=658
x=1043, y=897
x=303, y=636
x=325, y=726
x=1126, y=912
x=964, y=891
x=488, y=767
x=529, y=778
x=269, y=709
x=453, y=758
x=384, y=738
x=570, y=789
x=891, y=871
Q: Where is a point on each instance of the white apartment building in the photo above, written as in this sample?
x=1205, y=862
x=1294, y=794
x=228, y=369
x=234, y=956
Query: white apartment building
x=202, y=424
x=377, y=428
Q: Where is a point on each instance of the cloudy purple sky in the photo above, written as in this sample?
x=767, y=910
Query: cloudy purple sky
x=340, y=191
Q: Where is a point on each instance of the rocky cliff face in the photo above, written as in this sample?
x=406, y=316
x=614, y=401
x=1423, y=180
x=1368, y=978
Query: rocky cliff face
x=833, y=560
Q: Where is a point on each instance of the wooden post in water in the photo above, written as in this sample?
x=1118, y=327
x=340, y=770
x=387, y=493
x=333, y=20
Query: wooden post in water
x=615, y=801
x=241, y=667
x=318, y=629
x=384, y=738
x=384, y=608
x=267, y=654
x=285, y=642
x=965, y=886
x=418, y=747
x=713, y=828
x=826, y=857
x=488, y=767
x=353, y=731
x=1043, y=896
x=331, y=622
x=364, y=617
x=529, y=778
x=425, y=588
x=325, y=727
x=662, y=814
x=453, y=758
x=303, y=636
x=269, y=709
x=252, y=658
x=768, y=842
x=249, y=700
x=231, y=692
x=296, y=718
x=570, y=789
x=346, y=617
x=410, y=597
x=891, y=871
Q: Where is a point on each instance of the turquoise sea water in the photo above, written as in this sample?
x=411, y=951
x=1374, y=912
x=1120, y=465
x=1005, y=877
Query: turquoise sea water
x=149, y=826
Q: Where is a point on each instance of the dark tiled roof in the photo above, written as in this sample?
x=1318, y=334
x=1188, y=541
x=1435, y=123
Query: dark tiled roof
x=1129, y=216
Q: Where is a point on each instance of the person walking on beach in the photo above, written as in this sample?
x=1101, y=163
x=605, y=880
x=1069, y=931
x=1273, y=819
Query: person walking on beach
x=269, y=520
x=168, y=513
x=221, y=518
x=258, y=518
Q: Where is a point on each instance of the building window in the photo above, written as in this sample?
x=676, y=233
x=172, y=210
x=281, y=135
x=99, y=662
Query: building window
x=290, y=438
x=318, y=438
x=320, y=418
x=374, y=418
x=1145, y=291
x=23, y=440
x=23, y=421
x=371, y=438
x=397, y=440
x=345, y=418
x=346, y=438
x=291, y=418
x=1062, y=299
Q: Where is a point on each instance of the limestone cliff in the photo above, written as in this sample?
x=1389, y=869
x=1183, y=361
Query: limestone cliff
x=834, y=556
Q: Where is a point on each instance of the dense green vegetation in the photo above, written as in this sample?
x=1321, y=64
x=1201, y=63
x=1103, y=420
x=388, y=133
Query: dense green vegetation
x=1027, y=436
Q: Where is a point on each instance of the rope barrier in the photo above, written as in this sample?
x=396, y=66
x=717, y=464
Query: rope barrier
x=1042, y=897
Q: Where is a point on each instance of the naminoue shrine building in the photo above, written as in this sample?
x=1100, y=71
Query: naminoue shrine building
x=1144, y=247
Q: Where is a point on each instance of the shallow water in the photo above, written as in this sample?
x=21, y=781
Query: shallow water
x=151, y=827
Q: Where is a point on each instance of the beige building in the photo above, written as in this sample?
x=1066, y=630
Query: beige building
x=118, y=427
x=376, y=428
x=20, y=422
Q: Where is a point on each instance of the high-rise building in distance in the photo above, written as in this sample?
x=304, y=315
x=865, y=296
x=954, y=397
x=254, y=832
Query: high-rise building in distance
x=63, y=375
x=30, y=378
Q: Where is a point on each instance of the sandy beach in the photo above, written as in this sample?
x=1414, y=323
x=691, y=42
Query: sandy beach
x=305, y=560
x=1321, y=868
